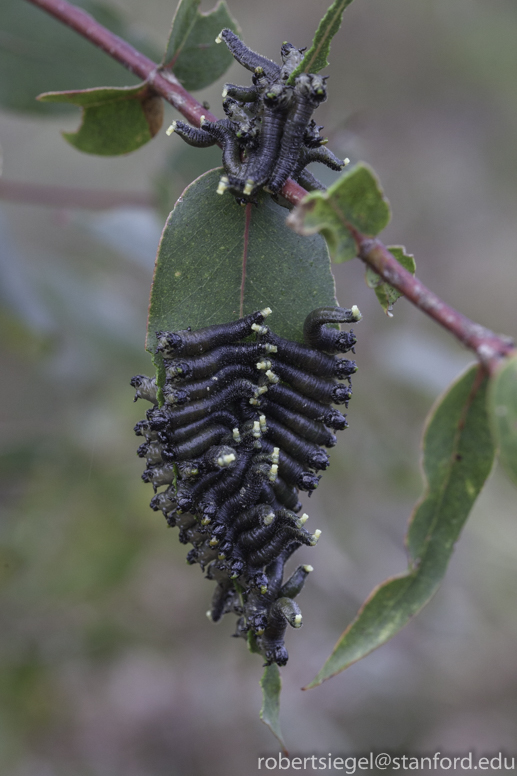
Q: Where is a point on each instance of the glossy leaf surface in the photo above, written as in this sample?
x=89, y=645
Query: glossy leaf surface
x=458, y=456
x=217, y=261
x=38, y=53
x=503, y=414
x=115, y=120
x=316, y=57
x=355, y=200
x=192, y=53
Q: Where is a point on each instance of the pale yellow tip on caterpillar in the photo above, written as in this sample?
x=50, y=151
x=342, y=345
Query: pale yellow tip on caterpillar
x=223, y=185
x=248, y=187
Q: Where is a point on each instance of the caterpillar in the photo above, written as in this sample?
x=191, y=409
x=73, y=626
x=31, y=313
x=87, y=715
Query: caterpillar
x=240, y=432
x=268, y=134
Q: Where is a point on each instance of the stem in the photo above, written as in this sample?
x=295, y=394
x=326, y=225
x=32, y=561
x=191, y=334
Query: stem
x=489, y=347
x=247, y=222
x=70, y=197
x=163, y=82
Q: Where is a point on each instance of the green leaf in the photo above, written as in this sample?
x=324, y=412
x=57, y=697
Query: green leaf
x=115, y=120
x=38, y=53
x=458, y=456
x=271, y=684
x=316, y=57
x=252, y=643
x=217, y=261
x=503, y=414
x=386, y=294
x=180, y=165
x=355, y=200
x=192, y=53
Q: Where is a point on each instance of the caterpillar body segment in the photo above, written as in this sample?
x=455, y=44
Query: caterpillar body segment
x=240, y=93
x=294, y=585
x=193, y=343
x=241, y=432
x=309, y=92
x=246, y=57
x=307, y=358
x=321, y=389
x=212, y=361
x=317, y=334
x=198, y=138
x=310, y=430
x=269, y=133
x=146, y=388
x=306, y=179
x=184, y=433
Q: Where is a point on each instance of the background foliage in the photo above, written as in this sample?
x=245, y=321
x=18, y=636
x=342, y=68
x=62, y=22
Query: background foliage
x=109, y=661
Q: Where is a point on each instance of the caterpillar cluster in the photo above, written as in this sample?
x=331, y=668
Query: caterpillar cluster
x=241, y=429
x=268, y=134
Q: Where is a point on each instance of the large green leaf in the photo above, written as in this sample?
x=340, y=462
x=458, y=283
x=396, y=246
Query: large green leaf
x=38, y=53
x=503, y=414
x=271, y=684
x=354, y=200
x=316, y=57
x=217, y=261
x=192, y=53
x=115, y=120
x=386, y=294
x=458, y=457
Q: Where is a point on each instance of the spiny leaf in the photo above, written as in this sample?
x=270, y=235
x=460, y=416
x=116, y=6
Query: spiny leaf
x=38, y=53
x=192, y=53
x=355, y=200
x=316, y=57
x=458, y=457
x=115, y=120
x=217, y=261
x=271, y=684
x=503, y=414
x=386, y=294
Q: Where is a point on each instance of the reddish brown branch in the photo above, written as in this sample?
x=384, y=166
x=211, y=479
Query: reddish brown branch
x=488, y=346
x=163, y=82
x=247, y=221
x=70, y=197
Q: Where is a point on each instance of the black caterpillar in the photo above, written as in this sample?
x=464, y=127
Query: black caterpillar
x=238, y=435
x=269, y=134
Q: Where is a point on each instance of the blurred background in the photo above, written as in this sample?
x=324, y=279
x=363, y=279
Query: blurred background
x=108, y=665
